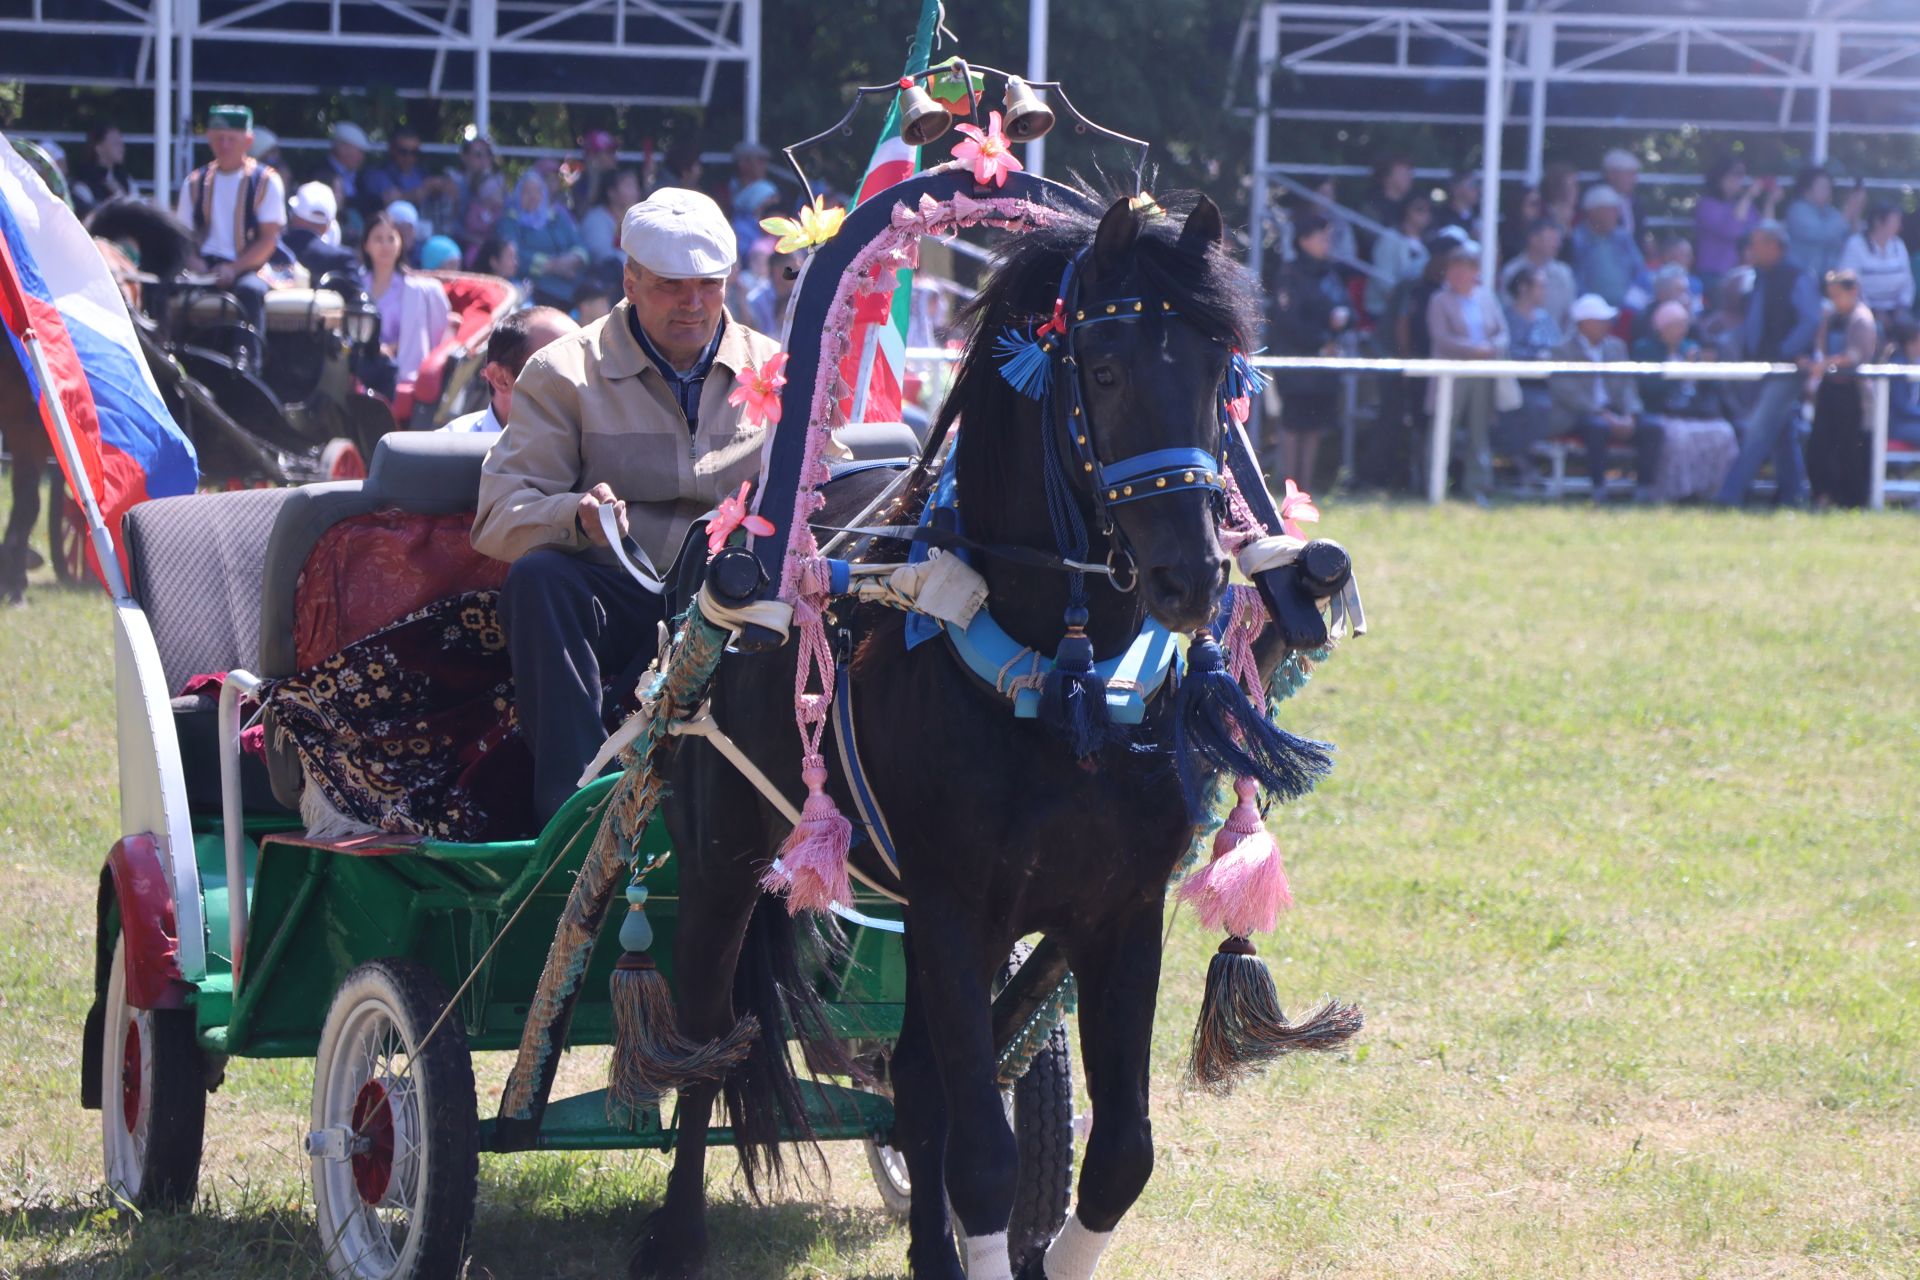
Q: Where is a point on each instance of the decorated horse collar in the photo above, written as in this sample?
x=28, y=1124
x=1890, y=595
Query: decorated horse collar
x=1018, y=673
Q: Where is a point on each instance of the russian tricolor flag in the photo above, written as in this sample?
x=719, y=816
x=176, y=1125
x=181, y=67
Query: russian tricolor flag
x=55, y=286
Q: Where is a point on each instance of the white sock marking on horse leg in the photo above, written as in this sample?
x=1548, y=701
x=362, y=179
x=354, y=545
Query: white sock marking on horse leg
x=1074, y=1251
x=987, y=1257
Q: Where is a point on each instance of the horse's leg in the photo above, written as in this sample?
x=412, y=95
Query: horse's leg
x=29, y=465
x=1118, y=971
x=920, y=1135
x=953, y=966
x=713, y=821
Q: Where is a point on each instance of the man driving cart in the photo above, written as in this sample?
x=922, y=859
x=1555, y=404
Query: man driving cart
x=629, y=414
x=237, y=208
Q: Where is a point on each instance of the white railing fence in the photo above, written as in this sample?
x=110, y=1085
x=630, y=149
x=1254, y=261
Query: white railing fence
x=1446, y=373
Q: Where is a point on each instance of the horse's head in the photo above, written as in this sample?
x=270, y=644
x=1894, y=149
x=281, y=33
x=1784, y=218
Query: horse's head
x=1154, y=313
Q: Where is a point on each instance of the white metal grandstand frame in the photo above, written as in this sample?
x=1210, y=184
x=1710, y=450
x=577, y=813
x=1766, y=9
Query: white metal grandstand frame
x=1817, y=67
x=492, y=33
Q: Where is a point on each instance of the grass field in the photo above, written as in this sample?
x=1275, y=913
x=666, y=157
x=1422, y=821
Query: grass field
x=1620, y=858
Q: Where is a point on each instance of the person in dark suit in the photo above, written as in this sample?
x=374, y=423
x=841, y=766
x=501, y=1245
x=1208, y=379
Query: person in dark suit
x=1310, y=312
x=312, y=238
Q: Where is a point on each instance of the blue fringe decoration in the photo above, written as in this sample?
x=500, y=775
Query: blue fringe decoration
x=1242, y=378
x=1026, y=362
x=1211, y=706
x=1073, y=698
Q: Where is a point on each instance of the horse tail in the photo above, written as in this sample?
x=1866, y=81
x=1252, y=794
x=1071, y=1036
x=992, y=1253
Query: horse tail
x=766, y=1101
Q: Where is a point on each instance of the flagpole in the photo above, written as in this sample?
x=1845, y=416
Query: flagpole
x=103, y=551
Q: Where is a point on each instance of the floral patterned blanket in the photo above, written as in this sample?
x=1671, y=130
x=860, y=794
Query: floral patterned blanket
x=412, y=729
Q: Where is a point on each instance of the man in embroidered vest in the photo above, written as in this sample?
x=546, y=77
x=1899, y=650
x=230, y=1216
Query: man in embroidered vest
x=629, y=414
x=236, y=207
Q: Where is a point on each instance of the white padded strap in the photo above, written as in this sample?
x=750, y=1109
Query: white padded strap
x=987, y=1257
x=1075, y=1251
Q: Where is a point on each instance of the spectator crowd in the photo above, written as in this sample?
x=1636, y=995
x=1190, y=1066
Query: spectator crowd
x=381, y=212
x=1807, y=275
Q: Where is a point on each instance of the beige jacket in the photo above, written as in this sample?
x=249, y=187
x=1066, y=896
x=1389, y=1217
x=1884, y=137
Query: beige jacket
x=1447, y=329
x=592, y=408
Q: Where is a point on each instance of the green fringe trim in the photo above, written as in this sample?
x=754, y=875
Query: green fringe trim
x=1017, y=1058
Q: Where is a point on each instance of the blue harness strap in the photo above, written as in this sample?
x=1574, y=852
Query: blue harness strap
x=849, y=747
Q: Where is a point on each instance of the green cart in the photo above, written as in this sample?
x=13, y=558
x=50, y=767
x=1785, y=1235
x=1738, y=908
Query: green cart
x=390, y=960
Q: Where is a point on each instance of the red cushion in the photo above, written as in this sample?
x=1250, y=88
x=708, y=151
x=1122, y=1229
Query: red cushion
x=474, y=301
x=372, y=570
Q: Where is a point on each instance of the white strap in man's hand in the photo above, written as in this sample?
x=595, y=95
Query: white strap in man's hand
x=632, y=557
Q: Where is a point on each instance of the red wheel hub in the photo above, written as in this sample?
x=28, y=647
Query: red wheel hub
x=130, y=1077
x=373, y=1142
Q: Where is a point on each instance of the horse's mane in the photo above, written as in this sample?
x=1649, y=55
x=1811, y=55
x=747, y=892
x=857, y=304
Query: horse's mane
x=1213, y=292
x=165, y=243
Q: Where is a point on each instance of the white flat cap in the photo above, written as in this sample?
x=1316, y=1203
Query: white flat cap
x=1602, y=196
x=314, y=201
x=352, y=134
x=1591, y=306
x=679, y=234
x=1621, y=161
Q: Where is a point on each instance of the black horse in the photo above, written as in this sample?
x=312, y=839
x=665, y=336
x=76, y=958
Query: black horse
x=1001, y=831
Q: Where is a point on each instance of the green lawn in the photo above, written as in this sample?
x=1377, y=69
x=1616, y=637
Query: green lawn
x=1620, y=858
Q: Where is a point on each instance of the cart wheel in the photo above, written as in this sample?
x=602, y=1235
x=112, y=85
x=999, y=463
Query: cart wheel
x=153, y=1099
x=395, y=1140
x=66, y=537
x=341, y=460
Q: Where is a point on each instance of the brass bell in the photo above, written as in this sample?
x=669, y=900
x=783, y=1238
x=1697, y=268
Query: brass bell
x=1027, y=117
x=922, y=118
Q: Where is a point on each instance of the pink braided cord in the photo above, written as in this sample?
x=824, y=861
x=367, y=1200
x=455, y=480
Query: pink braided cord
x=804, y=577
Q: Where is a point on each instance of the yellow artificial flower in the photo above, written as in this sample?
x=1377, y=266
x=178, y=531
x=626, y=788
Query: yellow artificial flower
x=817, y=225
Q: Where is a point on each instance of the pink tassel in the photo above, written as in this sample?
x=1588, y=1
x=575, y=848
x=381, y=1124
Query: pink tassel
x=812, y=864
x=1244, y=888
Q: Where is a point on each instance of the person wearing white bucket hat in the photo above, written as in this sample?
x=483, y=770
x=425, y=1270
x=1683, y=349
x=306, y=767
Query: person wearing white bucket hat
x=631, y=414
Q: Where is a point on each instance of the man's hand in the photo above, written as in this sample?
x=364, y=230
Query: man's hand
x=225, y=274
x=587, y=514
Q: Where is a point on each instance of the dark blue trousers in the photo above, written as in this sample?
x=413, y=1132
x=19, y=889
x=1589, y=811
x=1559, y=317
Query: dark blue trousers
x=580, y=635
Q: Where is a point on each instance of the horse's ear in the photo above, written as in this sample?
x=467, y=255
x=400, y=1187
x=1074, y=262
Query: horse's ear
x=1115, y=238
x=1203, y=228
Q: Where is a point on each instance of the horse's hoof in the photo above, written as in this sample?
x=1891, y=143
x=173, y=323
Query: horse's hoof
x=35, y=560
x=668, y=1251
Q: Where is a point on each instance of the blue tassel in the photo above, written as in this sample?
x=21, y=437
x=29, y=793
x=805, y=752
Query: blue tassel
x=1026, y=362
x=1242, y=378
x=1073, y=697
x=1212, y=705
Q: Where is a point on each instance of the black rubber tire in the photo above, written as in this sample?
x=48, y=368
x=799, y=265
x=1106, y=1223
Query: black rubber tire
x=412, y=996
x=1043, y=1132
x=158, y=1172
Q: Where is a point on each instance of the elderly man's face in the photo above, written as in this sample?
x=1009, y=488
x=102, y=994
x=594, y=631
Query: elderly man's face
x=1594, y=330
x=1603, y=218
x=680, y=316
x=229, y=146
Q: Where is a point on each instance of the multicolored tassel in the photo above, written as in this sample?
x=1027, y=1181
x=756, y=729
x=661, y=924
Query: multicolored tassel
x=1244, y=888
x=1242, y=1026
x=811, y=867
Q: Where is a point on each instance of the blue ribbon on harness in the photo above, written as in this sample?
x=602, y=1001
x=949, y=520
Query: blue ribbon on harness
x=1133, y=677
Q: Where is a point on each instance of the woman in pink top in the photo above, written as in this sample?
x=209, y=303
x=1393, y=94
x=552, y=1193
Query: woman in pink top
x=1730, y=207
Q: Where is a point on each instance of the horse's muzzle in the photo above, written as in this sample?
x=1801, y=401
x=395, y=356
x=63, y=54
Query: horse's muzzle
x=1184, y=597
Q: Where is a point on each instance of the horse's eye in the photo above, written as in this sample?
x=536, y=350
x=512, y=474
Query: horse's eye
x=1103, y=376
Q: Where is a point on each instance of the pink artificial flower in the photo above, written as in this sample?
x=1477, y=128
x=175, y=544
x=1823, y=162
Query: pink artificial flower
x=987, y=151
x=1297, y=506
x=732, y=515
x=759, y=391
x=1240, y=408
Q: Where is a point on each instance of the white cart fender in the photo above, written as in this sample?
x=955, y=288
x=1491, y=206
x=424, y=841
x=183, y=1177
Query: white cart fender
x=153, y=792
